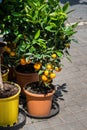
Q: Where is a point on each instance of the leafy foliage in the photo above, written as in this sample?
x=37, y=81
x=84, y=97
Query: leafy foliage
x=35, y=30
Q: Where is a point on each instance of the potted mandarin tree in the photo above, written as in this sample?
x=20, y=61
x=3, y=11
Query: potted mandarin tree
x=9, y=100
x=42, y=38
x=50, y=43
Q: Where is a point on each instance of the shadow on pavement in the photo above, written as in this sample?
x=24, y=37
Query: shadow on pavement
x=59, y=92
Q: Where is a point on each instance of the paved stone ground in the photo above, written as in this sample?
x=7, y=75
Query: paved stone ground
x=80, y=10
x=73, y=102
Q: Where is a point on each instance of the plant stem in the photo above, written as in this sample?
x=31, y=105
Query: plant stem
x=1, y=82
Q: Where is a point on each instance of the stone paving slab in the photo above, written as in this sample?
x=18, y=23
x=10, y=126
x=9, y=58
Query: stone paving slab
x=73, y=106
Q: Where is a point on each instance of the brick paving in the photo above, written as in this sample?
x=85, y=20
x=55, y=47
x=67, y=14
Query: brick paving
x=73, y=102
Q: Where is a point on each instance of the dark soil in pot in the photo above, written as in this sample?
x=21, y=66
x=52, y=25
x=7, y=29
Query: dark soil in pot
x=9, y=90
x=28, y=68
x=37, y=88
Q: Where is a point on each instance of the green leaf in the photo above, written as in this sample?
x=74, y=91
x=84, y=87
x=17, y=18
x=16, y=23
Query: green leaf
x=32, y=49
x=44, y=5
x=40, y=72
x=16, y=14
x=41, y=40
x=54, y=14
x=69, y=30
x=65, y=7
x=49, y=28
x=53, y=25
x=75, y=25
x=18, y=37
x=59, y=53
x=37, y=34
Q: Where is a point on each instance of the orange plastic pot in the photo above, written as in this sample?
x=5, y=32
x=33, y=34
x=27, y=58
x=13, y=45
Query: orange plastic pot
x=39, y=104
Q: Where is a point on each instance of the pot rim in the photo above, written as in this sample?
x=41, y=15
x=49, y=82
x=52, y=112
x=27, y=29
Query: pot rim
x=9, y=98
x=6, y=71
x=36, y=94
x=21, y=73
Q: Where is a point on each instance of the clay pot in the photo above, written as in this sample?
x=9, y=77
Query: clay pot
x=11, y=75
x=39, y=105
x=22, y=77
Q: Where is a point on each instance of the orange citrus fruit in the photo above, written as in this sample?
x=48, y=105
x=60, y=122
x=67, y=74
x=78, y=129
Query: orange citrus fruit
x=49, y=66
x=37, y=66
x=52, y=75
x=62, y=37
x=44, y=78
x=58, y=69
x=54, y=56
x=7, y=49
x=12, y=53
x=28, y=62
x=67, y=45
x=46, y=72
x=23, y=61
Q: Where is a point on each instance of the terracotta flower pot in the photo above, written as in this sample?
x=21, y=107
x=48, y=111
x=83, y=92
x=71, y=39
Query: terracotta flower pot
x=39, y=104
x=23, y=78
x=11, y=75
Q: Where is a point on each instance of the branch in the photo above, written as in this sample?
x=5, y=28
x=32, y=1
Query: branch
x=1, y=82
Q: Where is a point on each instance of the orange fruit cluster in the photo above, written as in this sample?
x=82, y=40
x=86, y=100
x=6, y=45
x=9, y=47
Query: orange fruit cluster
x=24, y=62
x=8, y=50
x=37, y=66
x=48, y=74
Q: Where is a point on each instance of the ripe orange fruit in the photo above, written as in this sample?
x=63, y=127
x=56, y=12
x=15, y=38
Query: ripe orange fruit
x=62, y=37
x=44, y=78
x=49, y=66
x=28, y=62
x=23, y=61
x=12, y=53
x=58, y=69
x=46, y=72
x=67, y=45
x=37, y=66
x=54, y=56
x=52, y=75
x=7, y=49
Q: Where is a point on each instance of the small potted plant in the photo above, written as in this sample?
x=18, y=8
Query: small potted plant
x=49, y=40
x=9, y=100
x=39, y=37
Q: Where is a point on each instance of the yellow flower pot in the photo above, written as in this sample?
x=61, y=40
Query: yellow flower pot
x=9, y=109
x=5, y=75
